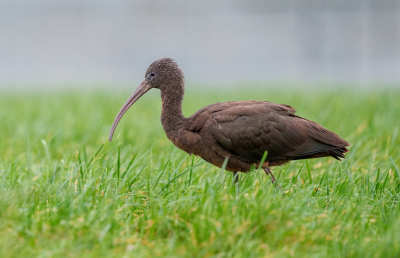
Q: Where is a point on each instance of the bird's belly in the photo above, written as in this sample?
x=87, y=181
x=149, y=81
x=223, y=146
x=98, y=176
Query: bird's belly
x=217, y=159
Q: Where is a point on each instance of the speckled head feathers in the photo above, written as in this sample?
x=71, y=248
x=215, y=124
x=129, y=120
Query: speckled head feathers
x=165, y=72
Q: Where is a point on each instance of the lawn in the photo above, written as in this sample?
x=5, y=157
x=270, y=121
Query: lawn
x=65, y=191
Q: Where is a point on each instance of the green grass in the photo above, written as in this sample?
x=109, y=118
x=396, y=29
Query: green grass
x=140, y=196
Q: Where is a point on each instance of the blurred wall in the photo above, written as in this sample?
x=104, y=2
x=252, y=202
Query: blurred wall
x=52, y=41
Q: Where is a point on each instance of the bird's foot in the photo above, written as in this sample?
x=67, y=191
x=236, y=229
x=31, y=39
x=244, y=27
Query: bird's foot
x=268, y=172
x=273, y=180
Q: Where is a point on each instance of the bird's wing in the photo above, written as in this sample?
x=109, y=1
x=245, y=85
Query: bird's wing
x=248, y=129
x=230, y=110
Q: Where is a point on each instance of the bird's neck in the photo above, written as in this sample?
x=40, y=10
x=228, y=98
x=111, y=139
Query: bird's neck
x=171, y=114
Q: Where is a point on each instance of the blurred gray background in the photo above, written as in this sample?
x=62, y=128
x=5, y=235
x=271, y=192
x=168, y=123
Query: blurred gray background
x=50, y=42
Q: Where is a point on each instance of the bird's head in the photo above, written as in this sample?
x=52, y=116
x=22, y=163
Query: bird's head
x=163, y=74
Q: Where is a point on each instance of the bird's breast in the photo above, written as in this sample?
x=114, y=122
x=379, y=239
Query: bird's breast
x=185, y=140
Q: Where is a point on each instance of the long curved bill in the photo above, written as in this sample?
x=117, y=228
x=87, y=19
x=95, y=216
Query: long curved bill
x=142, y=89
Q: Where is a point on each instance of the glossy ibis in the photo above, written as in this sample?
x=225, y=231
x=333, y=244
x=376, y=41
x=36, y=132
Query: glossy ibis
x=241, y=131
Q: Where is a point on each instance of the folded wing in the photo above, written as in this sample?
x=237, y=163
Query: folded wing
x=248, y=129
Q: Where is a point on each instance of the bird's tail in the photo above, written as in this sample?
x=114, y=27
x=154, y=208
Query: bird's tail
x=338, y=153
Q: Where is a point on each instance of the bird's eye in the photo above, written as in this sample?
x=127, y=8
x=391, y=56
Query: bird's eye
x=150, y=75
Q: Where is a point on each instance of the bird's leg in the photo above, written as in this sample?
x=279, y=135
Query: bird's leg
x=235, y=177
x=268, y=172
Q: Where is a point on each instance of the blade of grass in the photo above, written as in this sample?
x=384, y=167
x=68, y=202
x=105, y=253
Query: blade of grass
x=160, y=174
x=397, y=173
x=137, y=174
x=80, y=173
x=177, y=168
x=191, y=171
x=309, y=171
x=94, y=156
x=118, y=162
x=221, y=170
x=130, y=164
x=298, y=173
x=264, y=157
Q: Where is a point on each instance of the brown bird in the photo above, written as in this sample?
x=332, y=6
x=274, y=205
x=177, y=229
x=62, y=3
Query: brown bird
x=241, y=131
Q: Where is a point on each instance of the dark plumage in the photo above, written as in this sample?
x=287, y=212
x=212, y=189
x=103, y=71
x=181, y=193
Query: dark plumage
x=239, y=130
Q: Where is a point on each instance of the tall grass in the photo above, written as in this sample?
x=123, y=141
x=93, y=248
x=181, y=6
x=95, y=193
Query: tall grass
x=66, y=191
